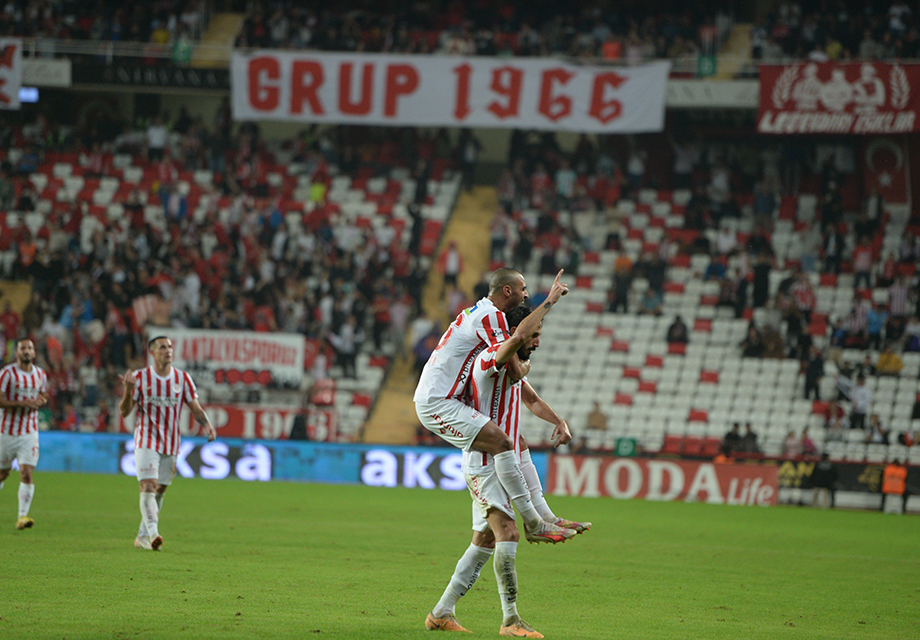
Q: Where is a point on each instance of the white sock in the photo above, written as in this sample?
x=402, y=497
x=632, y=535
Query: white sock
x=149, y=514
x=510, y=476
x=536, y=487
x=465, y=576
x=506, y=575
x=26, y=491
x=142, y=530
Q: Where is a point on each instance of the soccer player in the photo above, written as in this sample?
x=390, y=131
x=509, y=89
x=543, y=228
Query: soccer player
x=439, y=395
x=495, y=390
x=159, y=392
x=23, y=389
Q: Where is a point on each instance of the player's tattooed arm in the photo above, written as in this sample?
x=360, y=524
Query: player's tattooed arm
x=201, y=417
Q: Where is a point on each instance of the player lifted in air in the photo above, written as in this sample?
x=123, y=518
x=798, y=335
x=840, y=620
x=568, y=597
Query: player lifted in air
x=495, y=391
x=439, y=395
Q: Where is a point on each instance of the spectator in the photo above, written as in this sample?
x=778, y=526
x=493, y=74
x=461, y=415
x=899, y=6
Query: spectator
x=749, y=440
x=808, y=445
x=792, y=445
x=862, y=402
x=651, y=303
x=845, y=381
x=912, y=334
x=862, y=263
x=814, y=371
x=731, y=442
x=450, y=264
x=878, y=431
x=889, y=363
x=678, y=332
x=597, y=419
x=156, y=139
x=347, y=342
x=894, y=486
x=752, y=346
x=876, y=317
x=824, y=482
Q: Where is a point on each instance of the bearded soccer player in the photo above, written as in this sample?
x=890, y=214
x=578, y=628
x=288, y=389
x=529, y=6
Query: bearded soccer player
x=159, y=392
x=495, y=391
x=439, y=395
x=23, y=389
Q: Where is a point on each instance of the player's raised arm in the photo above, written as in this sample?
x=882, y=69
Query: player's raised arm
x=127, y=399
x=532, y=322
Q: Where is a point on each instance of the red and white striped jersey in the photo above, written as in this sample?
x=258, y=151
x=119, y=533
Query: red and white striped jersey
x=492, y=392
x=448, y=369
x=16, y=385
x=159, y=404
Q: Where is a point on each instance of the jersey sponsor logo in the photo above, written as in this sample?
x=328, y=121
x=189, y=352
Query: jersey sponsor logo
x=470, y=310
x=163, y=401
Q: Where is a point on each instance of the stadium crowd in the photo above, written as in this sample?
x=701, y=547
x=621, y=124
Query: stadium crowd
x=626, y=32
x=822, y=31
x=236, y=264
x=159, y=22
x=556, y=206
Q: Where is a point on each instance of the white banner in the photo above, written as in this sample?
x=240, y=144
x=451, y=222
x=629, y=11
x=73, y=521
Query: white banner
x=237, y=358
x=436, y=91
x=44, y=72
x=10, y=72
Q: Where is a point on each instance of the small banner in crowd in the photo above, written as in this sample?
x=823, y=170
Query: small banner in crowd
x=859, y=97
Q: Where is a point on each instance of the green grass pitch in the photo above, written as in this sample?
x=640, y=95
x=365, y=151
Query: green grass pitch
x=289, y=560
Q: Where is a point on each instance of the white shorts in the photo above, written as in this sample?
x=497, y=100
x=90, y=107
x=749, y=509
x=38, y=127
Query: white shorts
x=455, y=422
x=22, y=448
x=487, y=493
x=152, y=465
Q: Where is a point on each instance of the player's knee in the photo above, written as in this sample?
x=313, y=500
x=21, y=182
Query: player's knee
x=508, y=532
x=4, y=474
x=25, y=476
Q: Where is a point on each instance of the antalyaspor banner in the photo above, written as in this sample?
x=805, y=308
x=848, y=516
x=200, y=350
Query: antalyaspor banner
x=653, y=479
x=237, y=358
x=447, y=91
x=10, y=72
x=860, y=97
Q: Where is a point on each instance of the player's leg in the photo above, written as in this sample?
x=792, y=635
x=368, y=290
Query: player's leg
x=539, y=499
x=147, y=462
x=466, y=573
x=503, y=562
x=26, y=491
x=492, y=440
x=467, y=428
x=6, y=460
x=165, y=474
x=27, y=454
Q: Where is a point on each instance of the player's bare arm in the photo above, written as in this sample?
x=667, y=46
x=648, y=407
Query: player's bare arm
x=532, y=322
x=540, y=408
x=201, y=417
x=127, y=399
x=30, y=403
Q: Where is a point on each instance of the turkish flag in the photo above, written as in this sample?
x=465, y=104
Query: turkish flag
x=885, y=168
